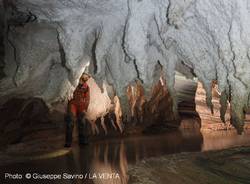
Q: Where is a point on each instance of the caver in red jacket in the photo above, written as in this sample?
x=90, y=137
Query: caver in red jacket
x=80, y=101
x=77, y=108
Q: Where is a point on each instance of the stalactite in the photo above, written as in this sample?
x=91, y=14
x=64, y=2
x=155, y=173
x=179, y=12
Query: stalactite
x=124, y=40
x=223, y=103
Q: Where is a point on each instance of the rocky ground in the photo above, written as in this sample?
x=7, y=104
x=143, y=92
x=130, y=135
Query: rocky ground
x=225, y=166
x=28, y=130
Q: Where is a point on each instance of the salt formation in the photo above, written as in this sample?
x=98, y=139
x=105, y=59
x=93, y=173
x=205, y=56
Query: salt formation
x=49, y=43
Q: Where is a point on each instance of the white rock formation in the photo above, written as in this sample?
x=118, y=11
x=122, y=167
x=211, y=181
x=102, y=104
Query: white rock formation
x=48, y=44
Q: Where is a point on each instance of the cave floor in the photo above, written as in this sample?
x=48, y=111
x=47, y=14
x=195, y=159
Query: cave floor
x=141, y=153
x=222, y=167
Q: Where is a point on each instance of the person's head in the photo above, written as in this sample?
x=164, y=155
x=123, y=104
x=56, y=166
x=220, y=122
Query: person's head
x=84, y=78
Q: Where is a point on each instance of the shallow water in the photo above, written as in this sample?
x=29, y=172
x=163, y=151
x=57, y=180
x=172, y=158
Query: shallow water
x=107, y=161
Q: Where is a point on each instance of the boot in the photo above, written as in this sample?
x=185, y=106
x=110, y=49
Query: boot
x=82, y=128
x=83, y=140
x=69, y=130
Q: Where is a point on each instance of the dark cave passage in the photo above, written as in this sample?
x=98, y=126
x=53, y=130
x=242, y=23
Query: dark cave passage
x=186, y=92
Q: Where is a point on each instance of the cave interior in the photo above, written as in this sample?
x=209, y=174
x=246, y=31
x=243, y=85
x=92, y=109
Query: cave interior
x=155, y=66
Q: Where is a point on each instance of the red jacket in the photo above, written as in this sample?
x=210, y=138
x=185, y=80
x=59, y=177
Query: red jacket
x=80, y=98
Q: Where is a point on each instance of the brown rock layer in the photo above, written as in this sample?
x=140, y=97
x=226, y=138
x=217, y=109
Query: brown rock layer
x=213, y=121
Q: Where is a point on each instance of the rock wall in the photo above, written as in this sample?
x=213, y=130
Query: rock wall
x=156, y=109
x=122, y=41
x=212, y=121
x=1, y=40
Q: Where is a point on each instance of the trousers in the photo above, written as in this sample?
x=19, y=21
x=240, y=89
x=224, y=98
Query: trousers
x=71, y=119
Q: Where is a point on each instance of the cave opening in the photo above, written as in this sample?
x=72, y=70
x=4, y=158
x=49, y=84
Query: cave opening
x=186, y=89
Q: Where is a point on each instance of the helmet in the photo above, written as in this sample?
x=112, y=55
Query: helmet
x=84, y=77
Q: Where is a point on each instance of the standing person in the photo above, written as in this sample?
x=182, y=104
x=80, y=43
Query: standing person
x=76, y=110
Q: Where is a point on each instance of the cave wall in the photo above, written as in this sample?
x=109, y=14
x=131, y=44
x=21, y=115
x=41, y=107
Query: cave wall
x=1, y=40
x=155, y=110
x=53, y=41
x=212, y=121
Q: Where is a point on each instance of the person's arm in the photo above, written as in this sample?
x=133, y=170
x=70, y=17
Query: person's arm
x=87, y=99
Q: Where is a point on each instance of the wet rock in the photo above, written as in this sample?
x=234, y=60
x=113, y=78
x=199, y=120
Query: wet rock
x=226, y=166
x=21, y=118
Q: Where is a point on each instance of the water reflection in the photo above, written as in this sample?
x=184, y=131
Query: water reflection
x=215, y=140
x=114, y=156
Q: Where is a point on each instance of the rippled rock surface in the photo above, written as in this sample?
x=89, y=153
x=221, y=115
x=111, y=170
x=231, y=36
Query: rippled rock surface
x=226, y=166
